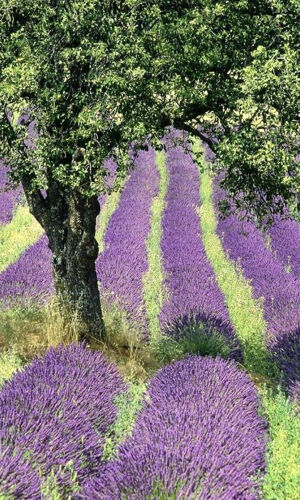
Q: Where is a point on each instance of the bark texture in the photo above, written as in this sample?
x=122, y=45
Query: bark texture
x=69, y=220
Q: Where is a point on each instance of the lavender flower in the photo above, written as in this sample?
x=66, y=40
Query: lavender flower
x=58, y=409
x=199, y=434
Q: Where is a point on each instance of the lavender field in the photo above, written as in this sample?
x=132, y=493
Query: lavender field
x=217, y=304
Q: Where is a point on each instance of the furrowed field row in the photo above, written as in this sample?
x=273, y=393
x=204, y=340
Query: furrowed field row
x=269, y=279
x=283, y=449
x=123, y=263
x=245, y=313
x=194, y=295
x=153, y=279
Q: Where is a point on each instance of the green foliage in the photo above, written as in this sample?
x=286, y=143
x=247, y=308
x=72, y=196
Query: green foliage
x=17, y=235
x=245, y=312
x=50, y=489
x=10, y=362
x=282, y=479
x=153, y=278
x=6, y=496
x=262, y=136
x=106, y=212
x=129, y=403
x=194, y=339
x=98, y=75
x=160, y=492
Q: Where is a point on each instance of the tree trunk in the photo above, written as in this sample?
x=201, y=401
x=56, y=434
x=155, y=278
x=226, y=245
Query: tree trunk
x=69, y=220
x=75, y=251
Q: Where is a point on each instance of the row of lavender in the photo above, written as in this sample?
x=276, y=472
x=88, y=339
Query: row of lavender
x=265, y=266
x=198, y=434
x=194, y=295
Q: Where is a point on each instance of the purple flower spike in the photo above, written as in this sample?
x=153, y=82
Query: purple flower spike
x=199, y=434
x=58, y=409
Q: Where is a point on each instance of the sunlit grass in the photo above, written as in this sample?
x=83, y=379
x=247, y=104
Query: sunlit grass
x=282, y=479
x=245, y=312
x=154, y=277
x=10, y=362
x=31, y=330
x=129, y=403
x=16, y=236
x=110, y=206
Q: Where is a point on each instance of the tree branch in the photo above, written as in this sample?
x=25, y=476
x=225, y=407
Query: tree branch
x=38, y=206
x=195, y=132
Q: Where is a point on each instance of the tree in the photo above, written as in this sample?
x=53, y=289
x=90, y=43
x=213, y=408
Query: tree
x=96, y=75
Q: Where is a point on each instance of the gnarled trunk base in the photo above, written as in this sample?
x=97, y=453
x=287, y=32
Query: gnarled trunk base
x=71, y=233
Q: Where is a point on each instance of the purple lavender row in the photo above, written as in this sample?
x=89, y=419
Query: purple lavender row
x=198, y=434
x=190, y=279
x=285, y=241
x=269, y=279
x=8, y=199
x=121, y=266
x=29, y=278
x=58, y=409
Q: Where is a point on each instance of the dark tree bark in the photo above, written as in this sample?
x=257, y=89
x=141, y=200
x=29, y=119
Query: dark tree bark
x=69, y=220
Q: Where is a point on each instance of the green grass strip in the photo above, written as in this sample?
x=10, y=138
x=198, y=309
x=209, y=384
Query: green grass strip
x=106, y=212
x=154, y=277
x=129, y=403
x=16, y=236
x=10, y=362
x=282, y=479
x=245, y=312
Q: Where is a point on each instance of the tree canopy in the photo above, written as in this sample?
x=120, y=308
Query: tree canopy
x=98, y=75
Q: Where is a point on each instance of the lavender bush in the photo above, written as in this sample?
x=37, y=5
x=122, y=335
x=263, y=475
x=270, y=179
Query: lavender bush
x=56, y=411
x=199, y=434
x=190, y=280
